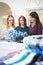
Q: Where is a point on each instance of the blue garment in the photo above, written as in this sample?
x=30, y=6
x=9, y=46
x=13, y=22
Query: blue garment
x=22, y=29
x=17, y=32
x=14, y=34
x=37, y=51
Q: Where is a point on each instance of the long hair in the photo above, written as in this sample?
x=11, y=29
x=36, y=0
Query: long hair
x=25, y=24
x=35, y=15
x=8, y=22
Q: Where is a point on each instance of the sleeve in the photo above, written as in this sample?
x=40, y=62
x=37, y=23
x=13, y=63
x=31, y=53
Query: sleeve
x=39, y=29
x=3, y=30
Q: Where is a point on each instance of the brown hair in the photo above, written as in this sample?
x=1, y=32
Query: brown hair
x=8, y=22
x=25, y=24
x=35, y=15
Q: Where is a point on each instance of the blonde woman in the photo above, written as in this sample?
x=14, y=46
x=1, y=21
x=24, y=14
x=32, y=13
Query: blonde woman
x=9, y=27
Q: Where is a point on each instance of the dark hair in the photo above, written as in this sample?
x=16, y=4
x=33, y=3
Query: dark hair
x=25, y=24
x=35, y=15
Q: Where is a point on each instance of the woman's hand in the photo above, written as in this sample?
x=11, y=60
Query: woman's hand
x=2, y=37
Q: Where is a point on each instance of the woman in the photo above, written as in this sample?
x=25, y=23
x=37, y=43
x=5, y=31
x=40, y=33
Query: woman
x=22, y=25
x=9, y=27
x=10, y=23
x=35, y=24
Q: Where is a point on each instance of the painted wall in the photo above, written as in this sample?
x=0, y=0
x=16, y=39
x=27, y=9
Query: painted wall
x=20, y=7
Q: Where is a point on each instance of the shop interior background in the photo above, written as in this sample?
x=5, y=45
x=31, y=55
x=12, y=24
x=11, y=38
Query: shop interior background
x=18, y=8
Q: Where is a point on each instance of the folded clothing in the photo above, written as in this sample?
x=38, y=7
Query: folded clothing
x=10, y=55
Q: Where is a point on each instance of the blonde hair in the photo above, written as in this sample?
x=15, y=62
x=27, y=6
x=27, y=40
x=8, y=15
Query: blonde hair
x=8, y=22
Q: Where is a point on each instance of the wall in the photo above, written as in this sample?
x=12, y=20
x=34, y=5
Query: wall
x=20, y=7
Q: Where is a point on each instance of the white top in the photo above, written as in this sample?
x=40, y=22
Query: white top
x=4, y=31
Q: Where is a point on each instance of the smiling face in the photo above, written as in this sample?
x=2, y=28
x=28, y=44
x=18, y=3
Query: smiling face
x=10, y=21
x=21, y=21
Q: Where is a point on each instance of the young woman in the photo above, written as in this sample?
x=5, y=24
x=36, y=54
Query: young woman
x=9, y=27
x=10, y=23
x=35, y=27
x=22, y=25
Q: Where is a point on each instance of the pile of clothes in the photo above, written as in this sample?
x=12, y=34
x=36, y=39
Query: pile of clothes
x=24, y=57
x=31, y=55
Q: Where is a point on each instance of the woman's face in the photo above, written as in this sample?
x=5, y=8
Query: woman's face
x=21, y=21
x=10, y=21
x=32, y=20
